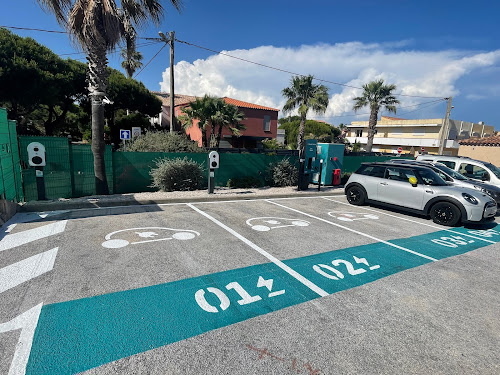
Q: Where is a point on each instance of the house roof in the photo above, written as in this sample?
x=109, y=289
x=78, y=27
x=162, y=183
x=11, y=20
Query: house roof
x=494, y=141
x=242, y=104
x=179, y=99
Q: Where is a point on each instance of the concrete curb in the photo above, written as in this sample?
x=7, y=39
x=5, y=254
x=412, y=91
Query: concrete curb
x=110, y=201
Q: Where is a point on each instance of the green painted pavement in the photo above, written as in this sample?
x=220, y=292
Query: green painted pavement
x=78, y=335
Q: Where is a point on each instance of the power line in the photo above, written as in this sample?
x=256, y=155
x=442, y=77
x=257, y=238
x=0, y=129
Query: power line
x=408, y=106
x=30, y=29
x=287, y=71
x=113, y=51
x=144, y=67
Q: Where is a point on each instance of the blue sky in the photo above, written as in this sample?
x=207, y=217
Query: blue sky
x=427, y=48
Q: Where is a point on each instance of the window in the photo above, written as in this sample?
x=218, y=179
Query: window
x=399, y=174
x=359, y=132
x=267, y=123
x=372, y=170
x=430, y=177
x=449, y=164
x=397, y=131
x=474, y=171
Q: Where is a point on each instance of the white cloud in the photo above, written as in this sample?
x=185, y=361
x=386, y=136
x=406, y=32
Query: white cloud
x=423, y=73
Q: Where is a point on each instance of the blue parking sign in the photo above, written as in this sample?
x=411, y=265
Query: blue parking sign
x=124, y=134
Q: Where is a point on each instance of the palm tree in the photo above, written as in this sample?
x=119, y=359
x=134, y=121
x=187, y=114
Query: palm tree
x=227, y=116
x=305, y=95
x=98, y=26
x=131, y=61
x=376, y=95
x=203, y=111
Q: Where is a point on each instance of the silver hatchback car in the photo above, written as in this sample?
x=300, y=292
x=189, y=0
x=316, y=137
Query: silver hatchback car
x=419, y=189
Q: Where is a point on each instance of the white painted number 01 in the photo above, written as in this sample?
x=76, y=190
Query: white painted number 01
x=224, y=302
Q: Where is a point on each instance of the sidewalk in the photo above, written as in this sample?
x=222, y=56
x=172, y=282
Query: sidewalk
x=99, y=201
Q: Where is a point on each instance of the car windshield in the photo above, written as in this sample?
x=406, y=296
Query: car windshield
x=493, y=168
x=450, y=172
x=430, y=177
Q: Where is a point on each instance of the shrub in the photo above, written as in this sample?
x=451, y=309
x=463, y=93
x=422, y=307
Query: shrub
x=177, y=174
x=163, y=142
x=283, y=173
x=244, y=182
x=272, y=144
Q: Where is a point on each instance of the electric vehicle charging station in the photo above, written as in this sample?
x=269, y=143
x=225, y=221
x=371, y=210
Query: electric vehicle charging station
x=213, y=164
x=332, y=155
x=36, y=158
x=322, y=164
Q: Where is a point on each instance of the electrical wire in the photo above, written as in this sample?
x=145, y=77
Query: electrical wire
x=223, y=54
x=408, y=106
x=289, y=72
x=30, y=29
x=144, y=67
x=113, y=51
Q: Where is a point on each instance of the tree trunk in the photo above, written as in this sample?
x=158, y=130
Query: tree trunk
x=300, y=136
x=98, y=78
x=372, y=123
x=219, y=135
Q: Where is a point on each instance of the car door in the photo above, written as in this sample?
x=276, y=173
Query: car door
x=396, y=188
x=474, y=172
x=372, y=175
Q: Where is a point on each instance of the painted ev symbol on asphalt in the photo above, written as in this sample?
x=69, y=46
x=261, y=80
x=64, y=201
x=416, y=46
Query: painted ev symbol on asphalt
x=149, y=234
x=264, y=224
x=352, y=216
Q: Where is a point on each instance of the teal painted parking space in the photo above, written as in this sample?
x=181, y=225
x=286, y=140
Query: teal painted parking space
x=490, y=233
x=78, y=335
x=441, y=244
x=339, y=270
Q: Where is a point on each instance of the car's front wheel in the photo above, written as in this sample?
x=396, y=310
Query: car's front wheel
x=356, y=195
x=445, y=213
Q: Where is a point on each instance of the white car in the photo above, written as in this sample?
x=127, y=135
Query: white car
x=470, y=168
x=419, y=189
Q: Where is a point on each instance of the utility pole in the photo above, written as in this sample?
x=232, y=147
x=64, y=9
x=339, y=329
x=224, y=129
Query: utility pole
x=445, y=128
x=170, y=42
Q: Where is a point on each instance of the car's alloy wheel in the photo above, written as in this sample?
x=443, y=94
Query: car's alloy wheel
x=356, y=195
x=445, y=213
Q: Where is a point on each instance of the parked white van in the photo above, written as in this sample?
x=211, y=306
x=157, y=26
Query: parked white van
x=470, y=168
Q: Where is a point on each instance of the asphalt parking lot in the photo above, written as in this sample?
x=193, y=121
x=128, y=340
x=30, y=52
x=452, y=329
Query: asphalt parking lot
x=270, y=286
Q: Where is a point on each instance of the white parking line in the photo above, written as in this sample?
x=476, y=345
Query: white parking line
x=273, y=259
x=355, y=231
x=412, y=221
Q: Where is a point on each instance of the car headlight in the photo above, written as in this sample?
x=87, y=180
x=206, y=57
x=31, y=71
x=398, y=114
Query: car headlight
x=469, y=198
x=483, y=190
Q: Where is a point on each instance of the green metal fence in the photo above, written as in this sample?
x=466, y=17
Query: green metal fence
x=131, y=169
x=69, y=171
x=10, y=172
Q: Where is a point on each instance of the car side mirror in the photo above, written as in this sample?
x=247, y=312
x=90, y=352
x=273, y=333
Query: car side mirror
x=413, y=181
x=485, y=177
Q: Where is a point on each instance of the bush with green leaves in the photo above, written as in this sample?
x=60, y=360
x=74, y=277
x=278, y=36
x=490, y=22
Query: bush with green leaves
x=272, y=144
x=283, y=173
x=163, y=142
x=244, y=182
x=177, y=174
